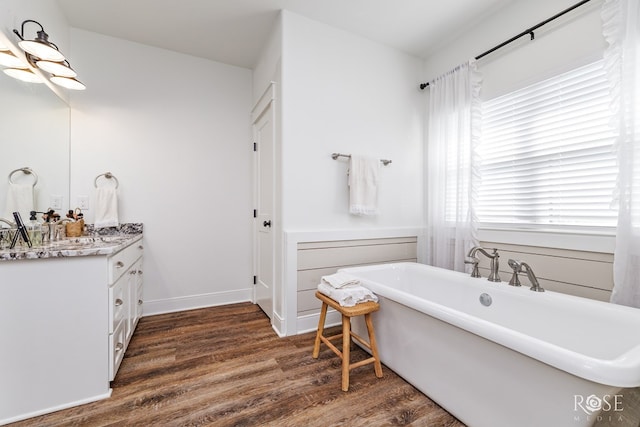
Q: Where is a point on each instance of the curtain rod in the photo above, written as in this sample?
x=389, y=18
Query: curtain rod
x=524, y=33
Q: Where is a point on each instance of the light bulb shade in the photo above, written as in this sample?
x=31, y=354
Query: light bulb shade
x=68, y=82
x=8, y=59
x=25, y=75
x=57, y=68
x=42, y=49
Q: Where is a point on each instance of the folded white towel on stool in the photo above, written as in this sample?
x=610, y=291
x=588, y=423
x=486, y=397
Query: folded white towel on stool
x=340, y=280
x=106, y=207
x=363, y=185
x=19, y=199
x=347, y=297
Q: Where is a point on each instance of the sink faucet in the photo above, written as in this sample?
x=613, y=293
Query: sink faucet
x=517, y=267
x=493, y=256
x=9, y=223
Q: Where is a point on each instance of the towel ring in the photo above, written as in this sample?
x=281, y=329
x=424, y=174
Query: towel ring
x=26, y=171
x=107, y=175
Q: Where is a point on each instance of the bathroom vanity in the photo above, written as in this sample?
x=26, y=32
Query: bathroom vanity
x=67, y=314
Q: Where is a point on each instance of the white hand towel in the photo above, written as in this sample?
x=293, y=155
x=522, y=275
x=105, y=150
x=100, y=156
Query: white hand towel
x=363, y=185
x=347, y=297
x=19, y=199
x=340, y=280
x=106, y=207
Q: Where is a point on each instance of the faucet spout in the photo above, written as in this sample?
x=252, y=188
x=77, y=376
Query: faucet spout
x=493, y=256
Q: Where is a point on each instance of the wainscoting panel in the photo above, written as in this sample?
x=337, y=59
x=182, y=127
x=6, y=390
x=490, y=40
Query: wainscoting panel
x=317, y=259
x=579, y=273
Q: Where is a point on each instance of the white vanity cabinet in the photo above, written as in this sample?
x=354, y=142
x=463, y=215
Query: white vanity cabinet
x=125, y=301
x=65, y=323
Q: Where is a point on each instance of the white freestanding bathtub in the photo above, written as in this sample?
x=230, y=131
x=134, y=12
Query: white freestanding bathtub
x=495, y=355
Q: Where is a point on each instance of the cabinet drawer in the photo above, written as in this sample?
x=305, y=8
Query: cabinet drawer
x=118, y=300
x=121, y=261
x=117, y=346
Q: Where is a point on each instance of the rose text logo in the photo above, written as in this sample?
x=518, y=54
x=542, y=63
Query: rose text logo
x=593, y=404
x=606, y=408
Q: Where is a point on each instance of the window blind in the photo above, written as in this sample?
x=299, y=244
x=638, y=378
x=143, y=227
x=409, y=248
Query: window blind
x=547, y=155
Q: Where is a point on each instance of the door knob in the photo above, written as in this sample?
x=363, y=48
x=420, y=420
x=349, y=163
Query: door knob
x=267, y=224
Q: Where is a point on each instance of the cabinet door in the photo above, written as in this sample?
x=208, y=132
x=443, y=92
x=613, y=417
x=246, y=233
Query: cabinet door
x=136, y=300
x=118, y=303
x=134, y=292
x=117, y=347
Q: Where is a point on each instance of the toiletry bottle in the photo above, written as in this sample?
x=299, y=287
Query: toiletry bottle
x=34, y=230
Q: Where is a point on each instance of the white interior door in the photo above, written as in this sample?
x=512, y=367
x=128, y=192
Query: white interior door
x=263, y=130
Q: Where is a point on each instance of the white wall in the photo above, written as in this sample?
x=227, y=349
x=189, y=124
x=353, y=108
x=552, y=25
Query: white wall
x=174, y=130
x=571, y=39
x=343, y=93
x=267, y=69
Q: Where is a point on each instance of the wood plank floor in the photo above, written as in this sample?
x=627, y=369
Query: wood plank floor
x=225, y=366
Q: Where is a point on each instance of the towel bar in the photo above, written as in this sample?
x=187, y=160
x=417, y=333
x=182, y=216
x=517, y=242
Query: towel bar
x=107, y=175
x=335, y=156
x=26, y=171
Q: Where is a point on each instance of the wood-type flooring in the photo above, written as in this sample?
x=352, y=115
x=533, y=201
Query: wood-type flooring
x=225, y=366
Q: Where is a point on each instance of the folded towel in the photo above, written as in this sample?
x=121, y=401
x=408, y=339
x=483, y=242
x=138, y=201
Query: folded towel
x=19, y=199
x=106, y=207
x=340, y=280
x=347, y=297
x=363, y=185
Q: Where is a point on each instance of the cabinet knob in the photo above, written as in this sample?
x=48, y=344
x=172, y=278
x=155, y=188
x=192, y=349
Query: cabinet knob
x=139, y=302
x=140, y=247
x=119, y=302
x=119, y=264
x=139, y=271
x=119, y=347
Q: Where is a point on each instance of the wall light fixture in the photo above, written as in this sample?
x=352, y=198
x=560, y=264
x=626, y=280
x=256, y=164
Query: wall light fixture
x=8, y=59
x=44, y=55
x=24, y=74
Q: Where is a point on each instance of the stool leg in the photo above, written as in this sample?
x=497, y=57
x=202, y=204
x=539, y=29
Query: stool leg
x=323, y=316
x=374, y=346
x=346, y=344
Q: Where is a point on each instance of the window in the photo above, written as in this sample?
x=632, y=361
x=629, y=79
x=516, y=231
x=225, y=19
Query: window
x=546, y=153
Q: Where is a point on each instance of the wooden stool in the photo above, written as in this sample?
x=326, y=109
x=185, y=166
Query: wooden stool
x=365, y=308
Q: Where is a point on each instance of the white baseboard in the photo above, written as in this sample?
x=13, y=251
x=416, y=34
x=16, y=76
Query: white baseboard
x=84, y=401
x=309, y=322
x=278, y=324
x=192, y=302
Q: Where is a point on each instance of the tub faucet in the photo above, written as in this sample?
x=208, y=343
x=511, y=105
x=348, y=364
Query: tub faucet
x=493, y=256
x=517, y=267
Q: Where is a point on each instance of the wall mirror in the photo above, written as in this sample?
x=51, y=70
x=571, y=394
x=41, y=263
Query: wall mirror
x=34, y=133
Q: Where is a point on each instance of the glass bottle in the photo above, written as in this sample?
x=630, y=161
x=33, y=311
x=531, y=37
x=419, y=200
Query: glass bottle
x=34, y=230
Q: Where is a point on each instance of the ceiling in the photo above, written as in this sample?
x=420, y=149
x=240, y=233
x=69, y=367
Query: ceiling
x=234, y=31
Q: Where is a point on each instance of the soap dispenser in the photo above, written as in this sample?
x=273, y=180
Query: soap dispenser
x=34, y=230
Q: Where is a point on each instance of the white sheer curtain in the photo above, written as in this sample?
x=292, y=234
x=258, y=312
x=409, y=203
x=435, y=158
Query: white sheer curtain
x=454, y=123
x=622, y=62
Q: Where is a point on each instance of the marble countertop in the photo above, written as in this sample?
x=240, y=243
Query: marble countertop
x=93, y=244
